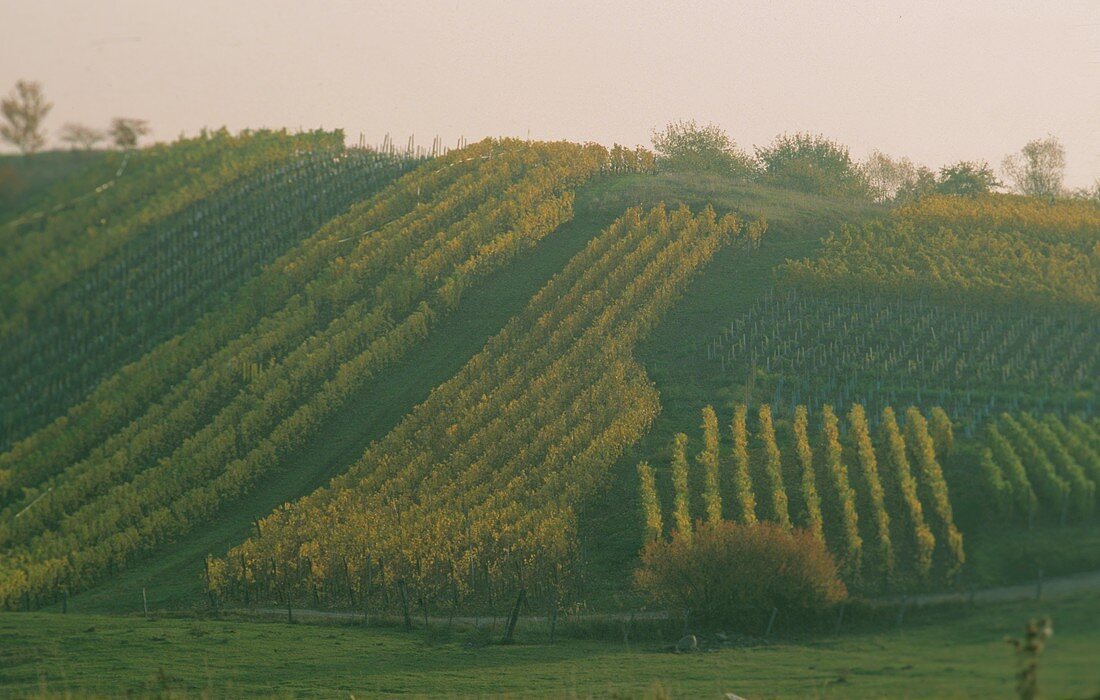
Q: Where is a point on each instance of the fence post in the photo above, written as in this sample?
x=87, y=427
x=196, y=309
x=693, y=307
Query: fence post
x=513, y=618
x=145, y=603
x=771, y=622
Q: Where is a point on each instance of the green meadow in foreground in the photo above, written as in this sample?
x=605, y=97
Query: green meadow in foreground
x=938, y=652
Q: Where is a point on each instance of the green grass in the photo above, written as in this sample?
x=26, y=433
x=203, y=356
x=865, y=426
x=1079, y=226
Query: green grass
x=954, y=652
x=27, y=182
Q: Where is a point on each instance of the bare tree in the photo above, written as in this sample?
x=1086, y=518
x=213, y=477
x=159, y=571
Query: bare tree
x=125, y=132
x=891, y=178
x=1038, y=168
x=23, y=110
x=81, y=136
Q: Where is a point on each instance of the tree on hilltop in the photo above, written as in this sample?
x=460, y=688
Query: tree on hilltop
x=24, y=110
x=81, y=136
x=687, y=146
x=1037, y=170
x=966, y=179
x=896, y=180
x=813, y=163
x=125, y=132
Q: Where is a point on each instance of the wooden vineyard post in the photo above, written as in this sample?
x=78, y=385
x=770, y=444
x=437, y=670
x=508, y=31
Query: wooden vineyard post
x=513, y=618
x=403, y=591
x=145, y=603
x=771, y=623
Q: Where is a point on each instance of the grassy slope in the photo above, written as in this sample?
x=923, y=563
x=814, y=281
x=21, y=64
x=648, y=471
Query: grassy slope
x=950, y=652
x=675, y=354
x=33, y=177
x=171, y=577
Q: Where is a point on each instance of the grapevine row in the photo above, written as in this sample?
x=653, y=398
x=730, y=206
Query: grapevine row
x=475, y=492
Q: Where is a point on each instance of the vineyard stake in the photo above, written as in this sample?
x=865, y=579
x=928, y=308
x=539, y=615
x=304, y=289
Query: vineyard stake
x=513, y=618
x=771, y=622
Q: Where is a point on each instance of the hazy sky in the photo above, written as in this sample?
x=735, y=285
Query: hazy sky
x=936, y=81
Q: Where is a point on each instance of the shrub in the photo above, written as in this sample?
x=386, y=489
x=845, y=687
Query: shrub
x=966, y=179
x=685, y=146
x=813, y=163
x=727, y=571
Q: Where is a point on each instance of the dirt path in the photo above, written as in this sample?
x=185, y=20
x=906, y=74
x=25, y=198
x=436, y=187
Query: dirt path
x=1049, y=588
x=1056, y=587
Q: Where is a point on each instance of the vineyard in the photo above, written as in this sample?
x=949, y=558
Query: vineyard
x=473, y=496
x=987, y=252
x=181, y=371
x=830, y=348
x=171, y=270
x=1034, y=468
x=196, y=422
x=881, y=505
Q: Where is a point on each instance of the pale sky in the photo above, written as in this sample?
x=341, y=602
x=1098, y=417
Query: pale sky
x=935, y=81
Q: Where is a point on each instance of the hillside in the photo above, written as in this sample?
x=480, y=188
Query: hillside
x=80, y=301
x=438, y=383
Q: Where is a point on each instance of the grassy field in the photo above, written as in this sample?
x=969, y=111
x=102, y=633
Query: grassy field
x=939, y=652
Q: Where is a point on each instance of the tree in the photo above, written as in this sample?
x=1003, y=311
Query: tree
x=1090, y=194
x=81, y=136
x=813, y=163
x=23, y=110
x=922, y=185
x=1037, y=170
x=687, y=146
x=888, y=178
x=125, y=132
x=966, y=179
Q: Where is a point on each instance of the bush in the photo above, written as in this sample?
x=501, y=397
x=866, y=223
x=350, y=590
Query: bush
x=685, y=146
x=813, y=163
x=728, y=571
x=966, y=179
